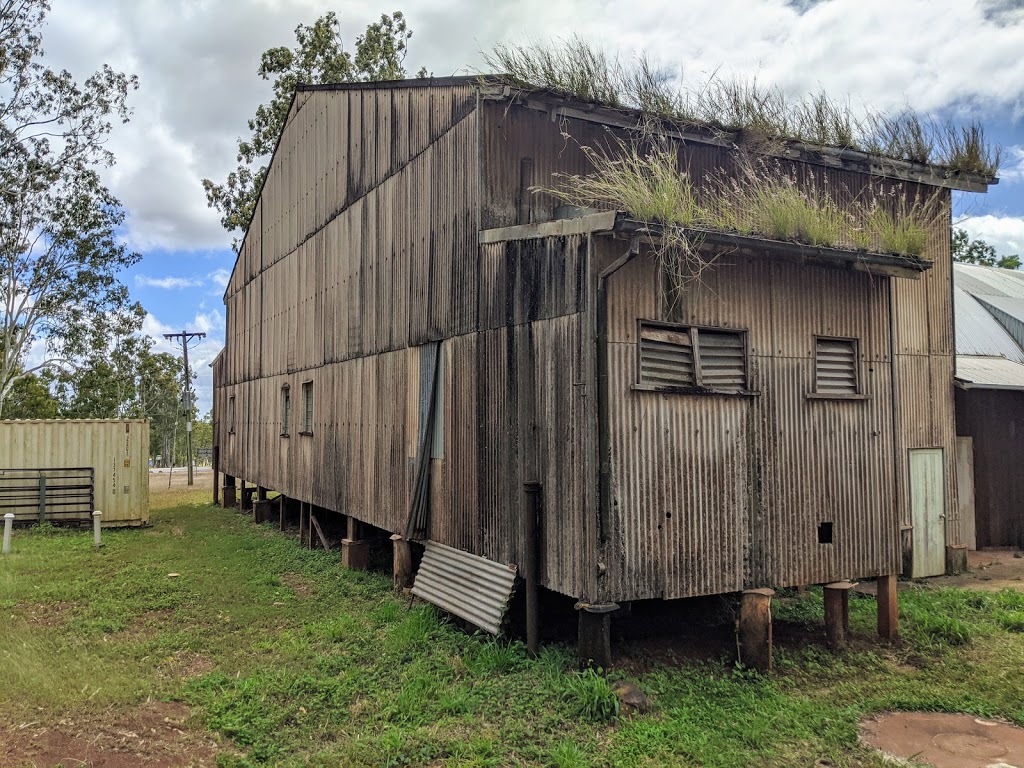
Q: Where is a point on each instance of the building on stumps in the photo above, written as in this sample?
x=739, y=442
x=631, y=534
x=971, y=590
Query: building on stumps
x=421, y=343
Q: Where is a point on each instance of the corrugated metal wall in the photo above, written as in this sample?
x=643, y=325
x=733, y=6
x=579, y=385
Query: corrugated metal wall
x=118, y=451
x=718, y=493
x=364, y=246
x=995, y=419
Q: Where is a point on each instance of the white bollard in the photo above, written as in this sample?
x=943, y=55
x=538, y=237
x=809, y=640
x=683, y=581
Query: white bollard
x=96, y=519
x=8, y=524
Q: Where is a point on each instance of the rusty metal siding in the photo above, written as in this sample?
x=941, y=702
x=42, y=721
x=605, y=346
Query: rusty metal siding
x=995, y=420
x=714, y=493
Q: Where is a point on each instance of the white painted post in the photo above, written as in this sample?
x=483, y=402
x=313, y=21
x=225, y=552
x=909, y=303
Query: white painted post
x=96, y=519
x=8, y=524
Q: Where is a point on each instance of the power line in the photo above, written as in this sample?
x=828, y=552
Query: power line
x=186, y=337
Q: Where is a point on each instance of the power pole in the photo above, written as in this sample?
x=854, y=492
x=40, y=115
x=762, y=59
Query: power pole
x=186, y=337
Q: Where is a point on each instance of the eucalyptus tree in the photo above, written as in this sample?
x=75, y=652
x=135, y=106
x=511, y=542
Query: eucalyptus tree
x=60, y=252
x=319, y=57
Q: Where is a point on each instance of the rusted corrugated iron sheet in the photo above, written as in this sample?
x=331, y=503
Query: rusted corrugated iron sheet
x=995, y=421
x=473, y=588
x=368, y=248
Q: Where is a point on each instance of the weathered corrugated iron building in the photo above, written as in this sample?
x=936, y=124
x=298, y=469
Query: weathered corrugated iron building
x=412, y=336
x=990, y=404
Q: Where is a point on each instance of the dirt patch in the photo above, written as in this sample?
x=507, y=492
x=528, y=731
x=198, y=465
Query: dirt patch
x=45, y=614
x=945, y=740
x=155, y=735
x=989, y=570
x=299, y=584
x=202, y=479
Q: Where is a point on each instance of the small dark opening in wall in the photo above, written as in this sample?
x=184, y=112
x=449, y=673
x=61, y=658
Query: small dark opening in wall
x=824, y=533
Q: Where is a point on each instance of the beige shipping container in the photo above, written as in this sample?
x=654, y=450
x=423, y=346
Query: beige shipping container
x=116, y=450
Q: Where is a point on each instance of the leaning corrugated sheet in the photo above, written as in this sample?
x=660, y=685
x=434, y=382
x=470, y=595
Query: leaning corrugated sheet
x=473, y=588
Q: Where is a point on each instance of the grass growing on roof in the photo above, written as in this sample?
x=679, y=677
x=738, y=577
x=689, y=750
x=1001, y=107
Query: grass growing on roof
x=307, y=664
x=583, y=70
x=760, y=198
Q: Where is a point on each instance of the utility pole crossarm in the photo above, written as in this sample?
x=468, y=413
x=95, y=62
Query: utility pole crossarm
x=186, y=337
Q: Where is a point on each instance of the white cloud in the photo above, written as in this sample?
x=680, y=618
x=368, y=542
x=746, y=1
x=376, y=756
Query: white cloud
x=168, y=283
x=218, y=278
x=1012, y=167
x=1004, y=233
x=197, y=66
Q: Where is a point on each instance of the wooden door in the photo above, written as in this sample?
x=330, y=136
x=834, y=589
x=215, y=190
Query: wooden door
x=928, y=511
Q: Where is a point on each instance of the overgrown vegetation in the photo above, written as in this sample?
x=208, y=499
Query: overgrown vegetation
x=756, y=112
x=758, y=197
x=297, y=662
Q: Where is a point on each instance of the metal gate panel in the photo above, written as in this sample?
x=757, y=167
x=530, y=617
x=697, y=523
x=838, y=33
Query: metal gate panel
x=57, y=495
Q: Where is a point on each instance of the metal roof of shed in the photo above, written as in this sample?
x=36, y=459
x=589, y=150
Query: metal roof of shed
x=988, y=303
x=974, y=372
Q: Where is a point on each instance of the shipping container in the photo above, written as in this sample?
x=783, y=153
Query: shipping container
x=66, y=469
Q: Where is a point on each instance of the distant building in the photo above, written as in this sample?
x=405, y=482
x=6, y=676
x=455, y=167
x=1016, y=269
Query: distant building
x=990, y=404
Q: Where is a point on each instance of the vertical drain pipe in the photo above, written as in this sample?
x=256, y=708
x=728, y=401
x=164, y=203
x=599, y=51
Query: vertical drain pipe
x=8, y=524
x=97, y=519
x=530, y=513
x=603, y=431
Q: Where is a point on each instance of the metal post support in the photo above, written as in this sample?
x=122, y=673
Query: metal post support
x=8, y=524
x=97, y=524
x=42, y=498
x=531, y=506
x=595, y=635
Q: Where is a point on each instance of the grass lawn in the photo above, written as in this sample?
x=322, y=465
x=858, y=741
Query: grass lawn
x=262, y=653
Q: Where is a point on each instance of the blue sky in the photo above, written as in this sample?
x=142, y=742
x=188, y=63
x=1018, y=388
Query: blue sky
x=197, y=62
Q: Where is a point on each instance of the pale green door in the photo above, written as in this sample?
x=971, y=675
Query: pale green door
x=928, y=511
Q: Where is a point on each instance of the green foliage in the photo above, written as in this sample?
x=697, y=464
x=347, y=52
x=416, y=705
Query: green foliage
x=758, y=197
x=318, y=58
x=591, y=697
x=758, y=114
x=60, y=251
x=30, y=398
x=968, y=251
x=307, y=664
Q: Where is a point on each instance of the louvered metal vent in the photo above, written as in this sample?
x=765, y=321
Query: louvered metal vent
x=722, y=360
x=835, y=367
x=666, y=358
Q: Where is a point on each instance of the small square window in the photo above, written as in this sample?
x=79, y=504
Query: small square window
x=286, y=410
x=835, y=367
x=688, y=357
x=307, y=407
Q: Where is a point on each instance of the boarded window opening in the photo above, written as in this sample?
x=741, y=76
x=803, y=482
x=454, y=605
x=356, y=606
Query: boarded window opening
x=824, y=533
x=286, y=410
x=307, y=407
x=693, y=358
x=835, y=367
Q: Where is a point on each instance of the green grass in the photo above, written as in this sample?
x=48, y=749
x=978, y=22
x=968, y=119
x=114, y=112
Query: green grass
x=307, y=664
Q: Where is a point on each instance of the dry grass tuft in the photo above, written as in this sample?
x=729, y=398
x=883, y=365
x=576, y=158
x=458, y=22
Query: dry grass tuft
x=732, y=104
